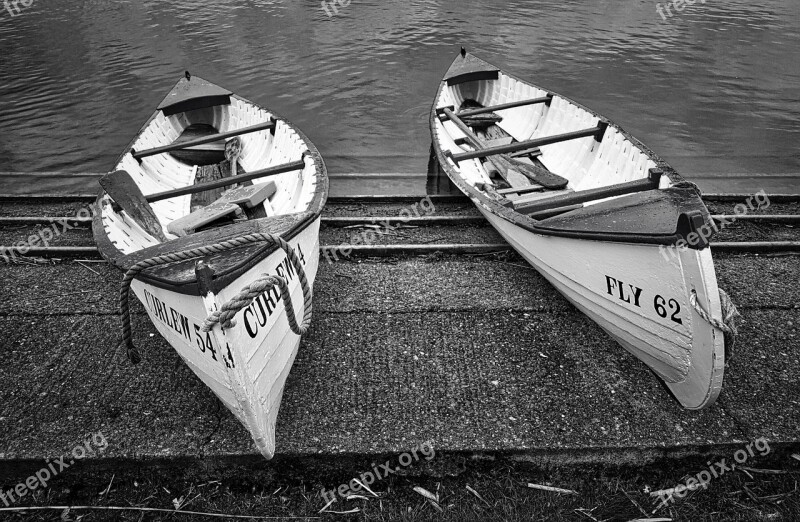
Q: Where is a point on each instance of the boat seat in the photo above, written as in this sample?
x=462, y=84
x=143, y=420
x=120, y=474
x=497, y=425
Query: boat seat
x=202, y=217
x=231, y=202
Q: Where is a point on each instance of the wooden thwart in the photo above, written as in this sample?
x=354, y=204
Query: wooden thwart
x=597, y=132
x=128, y=196
x=583, y=196
x=482, y=110
x=199, y=141
x=270, y=171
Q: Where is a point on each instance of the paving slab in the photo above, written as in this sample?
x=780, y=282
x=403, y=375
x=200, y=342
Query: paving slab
x=401, y=353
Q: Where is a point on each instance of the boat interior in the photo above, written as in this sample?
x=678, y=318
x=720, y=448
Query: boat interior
x=544, y=157
x=202, y=134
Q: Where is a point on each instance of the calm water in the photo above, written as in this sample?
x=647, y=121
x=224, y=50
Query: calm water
x=714, y=89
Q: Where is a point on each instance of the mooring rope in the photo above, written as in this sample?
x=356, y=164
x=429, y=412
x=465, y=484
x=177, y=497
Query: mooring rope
x=227, y=311
x=728, y=322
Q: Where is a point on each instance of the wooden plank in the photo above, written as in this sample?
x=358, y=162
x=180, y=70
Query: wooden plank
x=510, y=105
x=199, y=141
x=262, y=173
x=127, y=194
x=471, y=138
x=532, y=152
x=529, y=198
x=204, y=174
x=584, y=196
x=199, y=218
x=597, y=132
x=520, y=190
x=482, y=120
x=249, y=196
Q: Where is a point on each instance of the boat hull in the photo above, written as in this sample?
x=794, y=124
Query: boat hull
x=640, y=295
x=246, y=365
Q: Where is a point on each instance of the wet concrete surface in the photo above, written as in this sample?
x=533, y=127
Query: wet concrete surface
x=478, y=354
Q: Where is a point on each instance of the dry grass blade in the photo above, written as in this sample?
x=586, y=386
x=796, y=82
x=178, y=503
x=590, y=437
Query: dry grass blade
x=477, y=495
x=152, y=510
x=87, y=268
x=671, y=491
x=361, y=497
x=366, y=488
x=641, y=510
x=108, y=488
x=766, y=471
x=425, y=493
x=750, y=494
x=436, y=505
x=586, y=512
x=651, y=520
x=552, y=489
x=331, y=501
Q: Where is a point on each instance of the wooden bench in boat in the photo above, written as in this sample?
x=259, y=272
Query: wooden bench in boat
x=232, y=202
x=200, y=141
x=597, y=132
x=510, y=105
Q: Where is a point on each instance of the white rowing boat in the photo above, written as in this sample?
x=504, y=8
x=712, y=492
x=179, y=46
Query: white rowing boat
x=224, y=275
x=616, y=230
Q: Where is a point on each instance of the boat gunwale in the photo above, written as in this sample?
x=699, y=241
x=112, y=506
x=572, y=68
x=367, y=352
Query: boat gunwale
x=532, y=224
x=222, y=278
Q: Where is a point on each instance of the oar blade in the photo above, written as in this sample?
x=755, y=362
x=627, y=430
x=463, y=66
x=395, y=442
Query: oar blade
x=538, y=175
x=127, y=194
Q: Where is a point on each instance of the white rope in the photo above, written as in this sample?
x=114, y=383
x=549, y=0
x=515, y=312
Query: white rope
x=727, y=324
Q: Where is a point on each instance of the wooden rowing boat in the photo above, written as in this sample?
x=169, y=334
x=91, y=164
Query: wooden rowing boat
x=613, y=227
x=224, y=248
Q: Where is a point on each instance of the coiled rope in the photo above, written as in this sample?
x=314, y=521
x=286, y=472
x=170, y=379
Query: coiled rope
x=728, y=322
x=230, y=308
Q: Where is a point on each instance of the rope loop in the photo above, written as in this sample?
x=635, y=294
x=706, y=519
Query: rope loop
x=185, y=255
x=728, y=322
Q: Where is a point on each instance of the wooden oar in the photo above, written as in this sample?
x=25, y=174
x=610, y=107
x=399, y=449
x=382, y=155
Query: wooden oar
x=128, y=196
x=651, y=182
x=199, y=141
x=503, y=163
